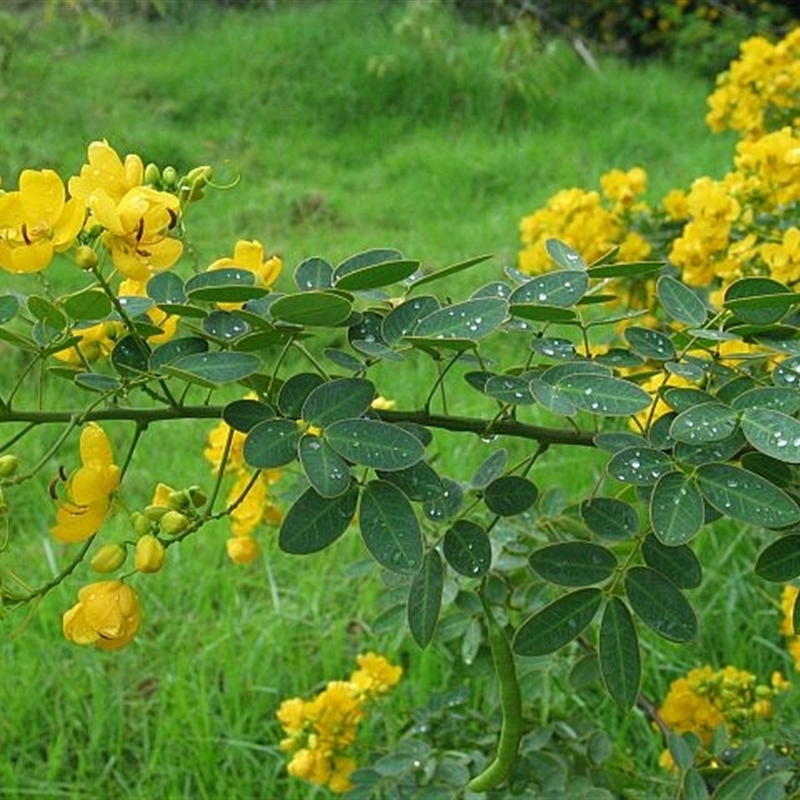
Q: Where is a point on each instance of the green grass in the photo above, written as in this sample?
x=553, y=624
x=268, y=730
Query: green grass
x=433, y=157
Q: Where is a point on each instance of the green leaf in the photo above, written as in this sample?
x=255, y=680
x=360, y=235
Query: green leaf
x=743, y=495
x=773, y=433
x=779, y=562
x=759, y=301
x=325, y=469
x=541, y=313
x=574, y=563
x=375, y=256
x=224, y=326
x=339, y=399
x=694, y=785
x=314, y=522
x=375, y=276
x=739, y=785
x=9, y=305
x=683, y=749
x=88, y=305
x=97, y=382
x=775, y=398
x=604, y=395
x=418, y=482
x=344, y=360
x=660, y=605
x=676, y=509
x=510, y=495
x=639, y=466
x=694, y=455
x=620, y=659
x=43, y=310
x=271, y=443
x=614, y=441
x=774, y=471
x=295, y=391
x=787, y=373
x=171, y=351
x=316, y=307
x=561, y=288
x=550, y=398
x=684, y=399
x=703, y=423
x=554, y=347
x=166, y=288
x=610, y=518
x=425, y=598
x=681, y=302
x=313, y=273
x=467, y=548
x=390, y=528
x=375, y=444
x=212, y=369
x=649, y=343
x=227, y=285
x=461, y=266
x=244, y=415
x=558, y=623
x=632, y=269
x=130, y=357
x=447, y=504
x=564, y=255
x=511, y=389
x=490, y=469
x=679, y=563
x=402, y=319
x=471, y=320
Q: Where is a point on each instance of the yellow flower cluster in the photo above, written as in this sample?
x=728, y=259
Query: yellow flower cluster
x=321, y=731
x=248, y=498
x=788, y=599
x=704, y=699
x=758, y=92
x=590, y=222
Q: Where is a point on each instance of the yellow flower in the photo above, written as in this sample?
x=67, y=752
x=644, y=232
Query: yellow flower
x=381, y=403
x=242, y=549
x=215, y=448
x=167, y=322
x=96, y=341
x=107, y=615
x=37, y=221
x=376, y=675
x=89, y=489
x=249, y=255
x=106, y=172
x=137, y=230
x=256, y=506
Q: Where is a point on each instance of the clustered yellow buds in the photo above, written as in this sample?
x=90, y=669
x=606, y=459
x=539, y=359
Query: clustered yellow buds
x=321, y=731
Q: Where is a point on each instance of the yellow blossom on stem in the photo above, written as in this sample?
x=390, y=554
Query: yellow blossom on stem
x=375, y=674
x=150, y=553
x=136, y=230
x=249, y=255
x=107, y=615
x=89, y=490
x=167, y=322
x=95, y=342
x=242, y=549
x=37, y=221
x=106, y=172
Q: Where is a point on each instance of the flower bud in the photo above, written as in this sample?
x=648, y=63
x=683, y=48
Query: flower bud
x=152, y=175
x=141, y=524
x=173, y=522
x=197, y=496
x=150, y=554
x=108, y=558
x=199, y=176
x=155, y=512
x=178, y=500
x=8, y=465
x=85, y=257
x=169, y=175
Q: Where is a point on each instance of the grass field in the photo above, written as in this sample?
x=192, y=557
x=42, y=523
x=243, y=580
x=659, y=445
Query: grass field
x=344, y=133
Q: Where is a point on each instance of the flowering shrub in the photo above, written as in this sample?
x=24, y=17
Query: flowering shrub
x=321, y=731
x=679, y=370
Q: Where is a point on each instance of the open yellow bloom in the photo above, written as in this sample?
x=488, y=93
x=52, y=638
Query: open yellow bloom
x=249, y=255
x=37, y=221
x=89, y=489
x=107, y=172
x=376, y=675
x=242, y=549
x=96, y=341
x=137, y=230
x=167, y=322
x=107, y=615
